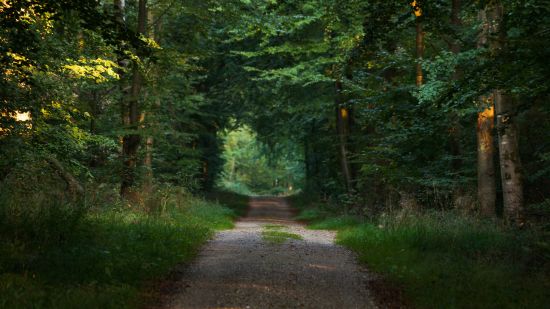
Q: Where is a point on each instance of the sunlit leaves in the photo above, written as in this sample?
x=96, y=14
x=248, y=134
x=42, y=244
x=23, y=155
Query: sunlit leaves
x=97, y=70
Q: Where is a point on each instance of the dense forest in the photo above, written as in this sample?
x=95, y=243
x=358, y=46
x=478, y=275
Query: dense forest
x=127, y=119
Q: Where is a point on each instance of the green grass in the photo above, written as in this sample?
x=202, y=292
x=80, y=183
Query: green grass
x=274, y=234
x=237, y=202
x=273, y=227
x=445, y=259
x=105, y=258
x=321, y=219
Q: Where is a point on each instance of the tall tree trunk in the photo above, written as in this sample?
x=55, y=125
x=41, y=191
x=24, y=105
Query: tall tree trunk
x=131, y=142
x=149, y=142
x=119, y=20
x=419, y=53
x=455, y=129
x=486, y=176
x=343, y=128
x=456, y=23
x=486, y=184
x=511, y=171
x=419, y=44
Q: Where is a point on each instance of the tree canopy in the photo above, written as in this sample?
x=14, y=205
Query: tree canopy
x=380, y=98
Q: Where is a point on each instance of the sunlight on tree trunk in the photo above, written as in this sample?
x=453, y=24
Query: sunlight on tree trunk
x=486, y=176
x=343, y=127
x=485, y=162
x=419, y=44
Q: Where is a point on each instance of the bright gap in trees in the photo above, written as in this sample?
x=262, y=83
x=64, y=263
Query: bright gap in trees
x=253, y=167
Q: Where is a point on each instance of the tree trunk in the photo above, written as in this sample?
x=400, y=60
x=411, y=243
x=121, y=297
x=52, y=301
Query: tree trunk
x=419, y=53
x=73, y=186
x=486, y=177
x=456, y=22
x=419, y=44
x=486, y=183
x=131, y=142
x=455, y=129
x=149, y=143
x=511, y=171
x=343, y=127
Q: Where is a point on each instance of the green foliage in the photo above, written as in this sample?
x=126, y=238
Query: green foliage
x=252, y=168
x=62, y=257
x=245, y=93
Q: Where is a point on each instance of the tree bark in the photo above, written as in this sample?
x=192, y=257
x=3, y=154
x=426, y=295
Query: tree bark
x=149, y=142
x=343, y=128
x=419, y=43
x=419, y=53
x=456, y=7
x=131, y=142
x=511, y=171
x=73, y=186
x=486, y=176
x=486, y=184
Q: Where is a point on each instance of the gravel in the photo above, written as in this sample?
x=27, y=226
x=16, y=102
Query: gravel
x=238, y=269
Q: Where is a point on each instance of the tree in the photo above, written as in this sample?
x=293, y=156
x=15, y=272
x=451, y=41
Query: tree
x=486, y=183
x=506, y=109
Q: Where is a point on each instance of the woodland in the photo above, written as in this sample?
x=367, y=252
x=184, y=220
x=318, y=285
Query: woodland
x=132, y=130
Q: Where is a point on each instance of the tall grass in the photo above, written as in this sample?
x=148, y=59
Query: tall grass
x=62, y=255
x=445, y=259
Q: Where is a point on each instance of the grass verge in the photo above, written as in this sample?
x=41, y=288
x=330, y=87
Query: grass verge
x=448, y=260
x=104, y=260
x=275, y=234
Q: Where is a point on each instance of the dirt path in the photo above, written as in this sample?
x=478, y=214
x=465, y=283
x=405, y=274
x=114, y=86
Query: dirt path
x=241, y=268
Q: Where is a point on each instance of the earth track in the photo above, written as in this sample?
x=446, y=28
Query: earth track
x=240, y=269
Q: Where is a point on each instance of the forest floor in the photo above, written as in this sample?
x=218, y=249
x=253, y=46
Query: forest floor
x=270, y=261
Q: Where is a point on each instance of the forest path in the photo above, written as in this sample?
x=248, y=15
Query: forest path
x=244, y=268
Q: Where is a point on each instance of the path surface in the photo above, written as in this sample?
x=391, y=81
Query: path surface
x=238, y=269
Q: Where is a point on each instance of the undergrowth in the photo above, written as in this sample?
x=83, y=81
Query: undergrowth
x=445, y=259
x=57, y=255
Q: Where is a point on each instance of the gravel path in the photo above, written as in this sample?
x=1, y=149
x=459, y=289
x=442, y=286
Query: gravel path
x=239, y=269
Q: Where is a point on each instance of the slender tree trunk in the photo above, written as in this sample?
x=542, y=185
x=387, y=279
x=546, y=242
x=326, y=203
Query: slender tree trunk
x=457, y=23
x=419, y=43
x=486, y=176
x=505, y=106
x=149, y=143
x=407, y=199
x=119, y=7
x=419, y=52
x=131, y=142
x=455, y=129
x=343, y=127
